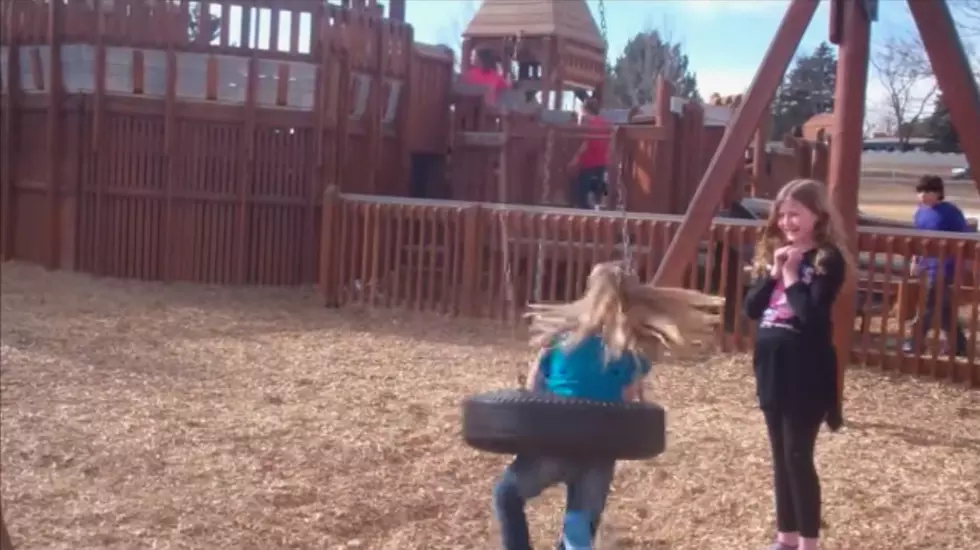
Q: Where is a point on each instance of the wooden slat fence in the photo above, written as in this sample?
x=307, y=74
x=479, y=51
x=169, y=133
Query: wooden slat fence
x=134, y=147
x=449, y=257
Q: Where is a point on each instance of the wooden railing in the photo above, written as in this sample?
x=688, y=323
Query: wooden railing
x=454, y=258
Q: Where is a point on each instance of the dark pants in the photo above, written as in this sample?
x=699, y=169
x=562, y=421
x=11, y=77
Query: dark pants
x=939, y=298
x=588, y=485
x=589, y=182
x=793, y=435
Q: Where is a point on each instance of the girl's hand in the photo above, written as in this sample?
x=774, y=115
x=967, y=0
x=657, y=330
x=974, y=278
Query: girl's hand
x=791, y=267
x=779, y=258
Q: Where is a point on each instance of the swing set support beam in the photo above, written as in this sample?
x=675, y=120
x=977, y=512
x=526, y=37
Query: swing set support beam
x=731, y=150
x=850, y=29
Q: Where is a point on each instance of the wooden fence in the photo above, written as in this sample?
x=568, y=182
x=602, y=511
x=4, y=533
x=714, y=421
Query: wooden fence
x=663, y=151
x=452, y=258
x=133, y=147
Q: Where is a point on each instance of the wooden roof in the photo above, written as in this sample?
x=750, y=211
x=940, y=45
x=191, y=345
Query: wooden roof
x=563, y=18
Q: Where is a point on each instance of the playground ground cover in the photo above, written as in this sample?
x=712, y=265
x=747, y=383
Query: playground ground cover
x=139, y=415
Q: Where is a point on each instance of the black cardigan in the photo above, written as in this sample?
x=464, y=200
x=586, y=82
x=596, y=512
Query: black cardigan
x=794, y=359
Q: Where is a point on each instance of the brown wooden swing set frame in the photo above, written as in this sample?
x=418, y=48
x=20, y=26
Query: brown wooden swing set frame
x=850, y=23
x=850, y=30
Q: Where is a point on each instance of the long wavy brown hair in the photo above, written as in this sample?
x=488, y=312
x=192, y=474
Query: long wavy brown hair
x=828, y=232
x=627, y=315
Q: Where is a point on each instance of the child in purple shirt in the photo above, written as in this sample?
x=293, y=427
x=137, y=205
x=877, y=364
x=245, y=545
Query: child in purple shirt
x=935, y=214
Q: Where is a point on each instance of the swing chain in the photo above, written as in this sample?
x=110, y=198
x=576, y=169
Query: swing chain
x=616, y=171
x=502, y=187
x=518, y=39
x=549, y=151
x=602, y=21
x=502, y=182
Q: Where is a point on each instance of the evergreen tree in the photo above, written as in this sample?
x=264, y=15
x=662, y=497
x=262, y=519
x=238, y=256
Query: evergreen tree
x=632, y=77
x=807, y=90
x=941, y=127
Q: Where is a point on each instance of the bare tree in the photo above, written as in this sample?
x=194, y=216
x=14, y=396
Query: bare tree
x=903, y=68
x=967, y=16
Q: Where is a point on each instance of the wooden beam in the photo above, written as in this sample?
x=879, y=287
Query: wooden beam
x=854, y=40
x=953, y=73
x=5, y=542
x=54, y=124
x=731, y=150
x=396, y=10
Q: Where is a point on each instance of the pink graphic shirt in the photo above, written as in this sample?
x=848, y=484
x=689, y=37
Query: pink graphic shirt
x=779, y=313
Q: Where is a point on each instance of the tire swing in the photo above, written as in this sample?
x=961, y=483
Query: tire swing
x=517, y=421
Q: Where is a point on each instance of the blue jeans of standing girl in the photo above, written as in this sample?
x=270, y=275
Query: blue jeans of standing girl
x=588, y=486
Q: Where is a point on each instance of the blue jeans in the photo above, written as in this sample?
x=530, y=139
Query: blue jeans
x=587, y=483
x=590, y=182
x=939, y=302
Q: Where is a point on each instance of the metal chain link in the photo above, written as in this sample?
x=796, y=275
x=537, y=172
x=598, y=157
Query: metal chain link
x=616, y=167
x=504, y=237
x=602, y=23
x=502, y=192
x=545, y=196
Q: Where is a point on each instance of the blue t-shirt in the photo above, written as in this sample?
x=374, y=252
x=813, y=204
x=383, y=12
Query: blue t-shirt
x=942, y=216
x=583, y=371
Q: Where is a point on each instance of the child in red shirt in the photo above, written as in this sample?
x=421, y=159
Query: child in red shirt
x=485, y=73
x=590, y=160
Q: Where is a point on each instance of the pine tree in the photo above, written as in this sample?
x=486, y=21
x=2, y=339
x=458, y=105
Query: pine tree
x=646, y=56
x=807, y=90
x=941, y=127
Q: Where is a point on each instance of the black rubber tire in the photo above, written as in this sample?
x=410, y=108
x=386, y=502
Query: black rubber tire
x=522, y=422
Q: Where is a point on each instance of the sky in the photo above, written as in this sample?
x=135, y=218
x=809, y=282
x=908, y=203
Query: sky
x=725, y=40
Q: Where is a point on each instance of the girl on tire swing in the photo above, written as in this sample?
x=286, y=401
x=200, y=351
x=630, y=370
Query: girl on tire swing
x=597, y=348
x=800, y=265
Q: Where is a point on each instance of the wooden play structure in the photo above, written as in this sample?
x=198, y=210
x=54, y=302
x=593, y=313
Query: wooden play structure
x=332, y=149
x=137, y=149
x=336, y=150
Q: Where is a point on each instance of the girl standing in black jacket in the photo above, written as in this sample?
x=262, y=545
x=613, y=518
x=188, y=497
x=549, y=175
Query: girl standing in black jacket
x=800, y=264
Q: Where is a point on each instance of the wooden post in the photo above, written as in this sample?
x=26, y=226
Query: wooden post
x=474, y=239
x=466, y=55
x=556, y=73
x=374, y=124
x=5, y=542
x=246, y=167
x=11, y=114
x=53, y=126
x=953, y=74
x=324, y=109
x=549, y=58
x=845, y=156
x=170, y=151
x=396, y=10
x=329, y=261
x=402, y=123
x=731, y=150
x=662, y=152
x=759, y=154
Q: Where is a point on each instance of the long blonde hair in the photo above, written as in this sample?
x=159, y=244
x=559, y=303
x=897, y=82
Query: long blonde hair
x=627, y=315
x=828, y=231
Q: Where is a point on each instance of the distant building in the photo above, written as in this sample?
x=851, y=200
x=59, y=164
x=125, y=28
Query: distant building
x=894, y=144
